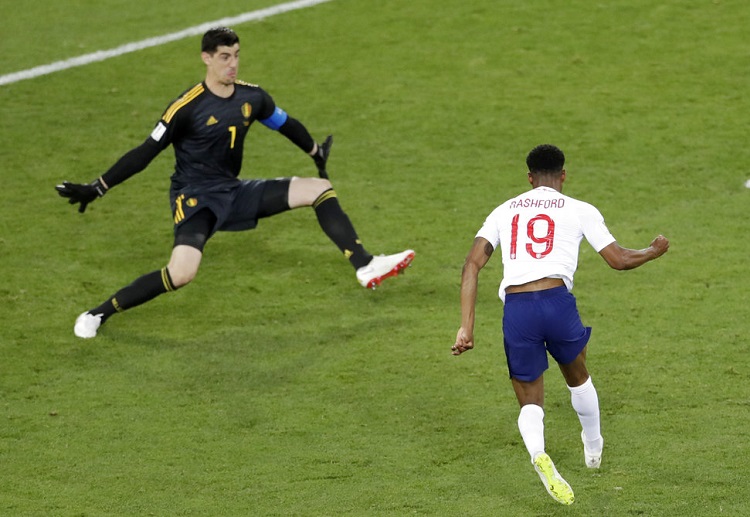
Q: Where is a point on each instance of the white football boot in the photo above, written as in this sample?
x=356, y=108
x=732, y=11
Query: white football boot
x=382, y=267
x=593, y=460
x=87, y=324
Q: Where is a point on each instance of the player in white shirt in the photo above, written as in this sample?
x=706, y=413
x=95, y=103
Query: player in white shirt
x=539, y=233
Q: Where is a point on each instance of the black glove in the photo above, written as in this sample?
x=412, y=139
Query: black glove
x=321, y=156
x=81, y=193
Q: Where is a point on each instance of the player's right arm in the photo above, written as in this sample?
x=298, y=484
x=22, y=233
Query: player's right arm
x=603, y=241
x=625, y=258
x=135, y=160
x=478, y=256
x=132, y=162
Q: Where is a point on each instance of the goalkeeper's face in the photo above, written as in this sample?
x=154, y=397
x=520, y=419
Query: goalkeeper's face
x=221, y=65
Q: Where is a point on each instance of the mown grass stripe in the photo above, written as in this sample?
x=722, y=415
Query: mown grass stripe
x=102, y=55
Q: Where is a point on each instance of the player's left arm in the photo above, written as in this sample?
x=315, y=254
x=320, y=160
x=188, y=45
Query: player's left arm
x=279, y=120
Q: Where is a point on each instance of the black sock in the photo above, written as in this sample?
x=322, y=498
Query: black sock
x=336, y=224
x=143, y=289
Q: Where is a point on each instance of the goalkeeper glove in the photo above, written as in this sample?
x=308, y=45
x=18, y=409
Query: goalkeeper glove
x=81, y=193
x=321, y=156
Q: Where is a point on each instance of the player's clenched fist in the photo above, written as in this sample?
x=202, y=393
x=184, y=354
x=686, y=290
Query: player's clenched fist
x=464, y=342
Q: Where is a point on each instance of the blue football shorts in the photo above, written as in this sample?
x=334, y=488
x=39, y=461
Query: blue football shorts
x=538, y=322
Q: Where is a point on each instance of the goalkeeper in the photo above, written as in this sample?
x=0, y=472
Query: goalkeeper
x=207, y=126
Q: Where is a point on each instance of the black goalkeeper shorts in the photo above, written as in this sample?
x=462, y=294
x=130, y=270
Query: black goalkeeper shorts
x=198, y=215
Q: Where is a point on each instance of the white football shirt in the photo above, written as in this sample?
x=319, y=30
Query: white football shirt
x=539, y=233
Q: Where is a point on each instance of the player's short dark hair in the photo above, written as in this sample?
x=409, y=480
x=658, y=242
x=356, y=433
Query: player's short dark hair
x=218, y=37
x=545, y=158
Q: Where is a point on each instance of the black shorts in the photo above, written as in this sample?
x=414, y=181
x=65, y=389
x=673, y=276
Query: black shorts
x=198, y=215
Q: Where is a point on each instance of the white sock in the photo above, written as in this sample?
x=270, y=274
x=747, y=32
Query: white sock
x=531, y=425
x=586, y=403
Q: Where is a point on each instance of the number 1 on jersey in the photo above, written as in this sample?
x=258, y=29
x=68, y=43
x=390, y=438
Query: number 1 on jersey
x=233, y=130
x=514, y=236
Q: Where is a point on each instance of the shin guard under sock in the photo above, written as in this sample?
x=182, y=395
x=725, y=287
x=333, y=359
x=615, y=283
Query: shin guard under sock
x=585, y=401
x=337, y=226
x=531, y=426
x=143, y=289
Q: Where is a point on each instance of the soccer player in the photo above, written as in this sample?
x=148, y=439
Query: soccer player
x=207, y=126
x=539, y=233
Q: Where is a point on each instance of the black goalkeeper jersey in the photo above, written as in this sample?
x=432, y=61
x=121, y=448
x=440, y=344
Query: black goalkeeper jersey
x=208, y=134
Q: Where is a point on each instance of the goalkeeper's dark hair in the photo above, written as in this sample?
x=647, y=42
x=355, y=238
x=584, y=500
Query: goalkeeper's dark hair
x=545, y=159
x=218, y=37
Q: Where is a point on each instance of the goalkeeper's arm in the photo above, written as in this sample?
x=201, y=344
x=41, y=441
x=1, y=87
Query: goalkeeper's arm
x=298, y=134
x=131, y=163
x=295, y=131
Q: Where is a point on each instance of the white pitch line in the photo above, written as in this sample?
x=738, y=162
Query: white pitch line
x=101, y=55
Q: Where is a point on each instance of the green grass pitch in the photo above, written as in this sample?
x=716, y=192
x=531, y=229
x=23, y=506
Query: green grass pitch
x=274, y=385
